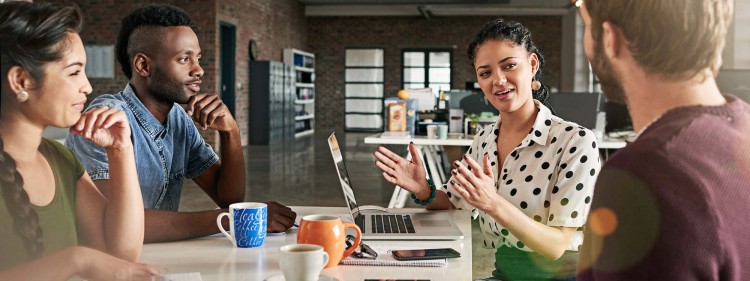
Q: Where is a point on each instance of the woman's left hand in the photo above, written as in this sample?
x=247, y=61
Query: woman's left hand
x=105, y=127
x=475, y=186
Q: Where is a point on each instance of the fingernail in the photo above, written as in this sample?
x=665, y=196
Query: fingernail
x=454, y=172
x=456, y=163
x=466, y=157
x=453, y=182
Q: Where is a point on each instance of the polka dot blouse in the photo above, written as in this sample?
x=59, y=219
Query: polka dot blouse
x=549, y=176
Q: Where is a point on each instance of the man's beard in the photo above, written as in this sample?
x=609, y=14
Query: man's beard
x=167, y=90
x=611, y=85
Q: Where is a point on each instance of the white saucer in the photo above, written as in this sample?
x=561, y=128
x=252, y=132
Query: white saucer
x=280, y=277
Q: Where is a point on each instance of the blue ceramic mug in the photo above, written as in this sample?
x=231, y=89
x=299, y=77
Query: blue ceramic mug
x=247, y=224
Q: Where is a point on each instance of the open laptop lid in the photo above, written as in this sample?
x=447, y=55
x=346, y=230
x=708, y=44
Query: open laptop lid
x=346, y=183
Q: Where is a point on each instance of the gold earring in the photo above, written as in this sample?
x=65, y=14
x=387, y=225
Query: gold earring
x=22, y=96
x=536, y=85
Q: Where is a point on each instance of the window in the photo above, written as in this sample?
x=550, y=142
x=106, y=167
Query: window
x=427, y=68
x=363, y=96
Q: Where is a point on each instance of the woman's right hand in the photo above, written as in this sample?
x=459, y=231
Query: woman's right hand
x=409, y=175
x=96, y=265
x=105, y=127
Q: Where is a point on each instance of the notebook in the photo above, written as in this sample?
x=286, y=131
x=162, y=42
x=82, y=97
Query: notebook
x=392, y=224
x=385, y=258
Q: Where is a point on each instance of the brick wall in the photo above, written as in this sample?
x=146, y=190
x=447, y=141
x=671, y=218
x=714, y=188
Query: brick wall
x=331, y=35
x=102, y=25
x=275, y=24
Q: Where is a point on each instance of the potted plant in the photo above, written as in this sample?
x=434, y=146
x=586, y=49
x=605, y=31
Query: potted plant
x=473, y=124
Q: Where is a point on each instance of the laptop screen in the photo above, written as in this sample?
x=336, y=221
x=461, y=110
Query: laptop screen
x=346, y=183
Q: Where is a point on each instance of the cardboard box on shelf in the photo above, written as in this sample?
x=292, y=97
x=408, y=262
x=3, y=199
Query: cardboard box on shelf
x=397, y=117
x=411, y=112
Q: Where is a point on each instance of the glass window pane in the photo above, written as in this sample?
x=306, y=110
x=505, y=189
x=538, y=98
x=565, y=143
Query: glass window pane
x=364, y=90
x=413, y=59
x=364, y=57
x=440, y=59
x=364, y=121
x=440, y=75
x=413, y=75
x=364, y=75
x=414, y=86
x=358, y=105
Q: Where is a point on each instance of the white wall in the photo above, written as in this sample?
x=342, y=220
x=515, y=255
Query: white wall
x=576, y=74
x=737, y=51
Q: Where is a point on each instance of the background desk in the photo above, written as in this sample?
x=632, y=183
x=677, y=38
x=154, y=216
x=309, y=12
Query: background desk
x=216, y=259
x=429, y=148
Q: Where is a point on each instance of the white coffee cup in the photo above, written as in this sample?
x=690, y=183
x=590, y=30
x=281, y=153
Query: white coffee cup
x=432, y=131
x=302, y=262
x=248, y=222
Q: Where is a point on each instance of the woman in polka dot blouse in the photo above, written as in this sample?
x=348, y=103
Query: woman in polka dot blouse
x=529, y=177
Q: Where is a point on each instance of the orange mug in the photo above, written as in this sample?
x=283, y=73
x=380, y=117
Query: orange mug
x=328, y=232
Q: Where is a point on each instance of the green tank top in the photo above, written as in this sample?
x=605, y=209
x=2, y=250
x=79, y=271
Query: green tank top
x=57, y=220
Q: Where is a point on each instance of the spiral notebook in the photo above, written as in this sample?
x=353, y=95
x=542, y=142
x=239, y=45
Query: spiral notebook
x=385, y=258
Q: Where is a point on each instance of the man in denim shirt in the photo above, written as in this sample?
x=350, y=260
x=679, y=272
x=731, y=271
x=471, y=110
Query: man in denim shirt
x=159, y=53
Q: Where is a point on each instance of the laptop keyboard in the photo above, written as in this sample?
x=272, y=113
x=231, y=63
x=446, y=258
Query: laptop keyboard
x=386, y=224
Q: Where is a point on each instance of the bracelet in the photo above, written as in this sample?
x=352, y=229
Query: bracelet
x=428, y=200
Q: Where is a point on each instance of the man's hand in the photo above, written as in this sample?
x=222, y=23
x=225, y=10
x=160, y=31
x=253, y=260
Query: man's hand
x=280, y=217
x=208, y=111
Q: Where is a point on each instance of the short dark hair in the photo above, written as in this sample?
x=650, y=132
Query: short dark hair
x=515, y=32
x=145, y=19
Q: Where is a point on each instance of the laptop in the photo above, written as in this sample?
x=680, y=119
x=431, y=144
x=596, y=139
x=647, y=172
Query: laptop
x=392, y=224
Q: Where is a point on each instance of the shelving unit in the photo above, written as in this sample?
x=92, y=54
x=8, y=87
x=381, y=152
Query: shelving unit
x=304, y=104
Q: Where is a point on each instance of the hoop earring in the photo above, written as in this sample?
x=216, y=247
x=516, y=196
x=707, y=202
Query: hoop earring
x=536, y=85
x=22, y=96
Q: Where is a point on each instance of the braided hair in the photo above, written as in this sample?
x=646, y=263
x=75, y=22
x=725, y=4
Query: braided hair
x=515, y=32
x=31, y=35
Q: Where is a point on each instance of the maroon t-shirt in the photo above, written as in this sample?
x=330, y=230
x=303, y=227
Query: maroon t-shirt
x=677, y=199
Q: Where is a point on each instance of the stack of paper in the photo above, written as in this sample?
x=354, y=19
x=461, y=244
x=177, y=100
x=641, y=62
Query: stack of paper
x=385, y=258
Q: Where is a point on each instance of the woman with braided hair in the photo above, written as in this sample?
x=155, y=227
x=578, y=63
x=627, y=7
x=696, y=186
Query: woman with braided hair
x=528, y=177
x=54, y=223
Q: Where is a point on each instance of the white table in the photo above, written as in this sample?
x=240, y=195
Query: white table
x=604, y=143
x=429, y=147
x=216, y=259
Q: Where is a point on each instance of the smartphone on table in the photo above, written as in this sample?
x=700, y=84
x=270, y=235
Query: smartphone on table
x=425, y=254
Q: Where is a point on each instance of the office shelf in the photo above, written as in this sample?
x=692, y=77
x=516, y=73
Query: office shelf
x=305, y=69
x=304, y=133
x=304, y=106
x=304, y=117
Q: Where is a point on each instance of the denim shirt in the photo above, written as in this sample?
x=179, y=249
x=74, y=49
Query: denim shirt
x=165, y=154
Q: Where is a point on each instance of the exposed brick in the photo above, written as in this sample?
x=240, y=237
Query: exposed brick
x=278, y=24
x=275, y=24
x=330, y=36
